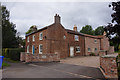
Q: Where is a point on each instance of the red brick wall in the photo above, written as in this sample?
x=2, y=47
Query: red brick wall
x=105, y=43
x=73, y=43
x=37, y=42
x=111, y=50
x=109, y=66
x=90, y=43
x=49, y=57
x=55, y=40
x=53, y=43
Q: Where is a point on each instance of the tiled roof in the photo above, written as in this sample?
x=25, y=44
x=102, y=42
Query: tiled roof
x=69, y=31
x=78, y=33
x=39, y=30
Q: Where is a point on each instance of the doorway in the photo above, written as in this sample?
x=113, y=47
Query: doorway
x=71, y=51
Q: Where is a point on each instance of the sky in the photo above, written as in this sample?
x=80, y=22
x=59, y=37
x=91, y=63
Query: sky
x=41, y=14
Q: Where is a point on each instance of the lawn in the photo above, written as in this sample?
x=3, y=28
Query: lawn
x=5, y=60
x=5, y=64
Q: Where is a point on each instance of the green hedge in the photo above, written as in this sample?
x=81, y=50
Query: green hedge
x=12, y=53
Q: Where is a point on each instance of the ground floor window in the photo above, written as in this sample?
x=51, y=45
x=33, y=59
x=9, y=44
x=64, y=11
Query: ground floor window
x=77, y=49
x=95, y=49
x=40, y=48
x=33, y=49
x=89, y=49
x=28, y=49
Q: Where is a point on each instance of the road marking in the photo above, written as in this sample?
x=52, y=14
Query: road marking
x=83, y=76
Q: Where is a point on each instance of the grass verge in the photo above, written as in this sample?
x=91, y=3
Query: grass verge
x=5, y=64
x=9, y=60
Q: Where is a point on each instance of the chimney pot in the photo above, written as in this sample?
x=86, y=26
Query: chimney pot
x=57, y=18
x=75, y=28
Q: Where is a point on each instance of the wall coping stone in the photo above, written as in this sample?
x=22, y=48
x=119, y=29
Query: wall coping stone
x=110, y=55
x=102, y=50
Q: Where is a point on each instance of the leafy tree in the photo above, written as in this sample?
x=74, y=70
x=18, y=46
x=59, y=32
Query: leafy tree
x=9, y=39
x=32, y=29
x=113, y=28
x=87, y=29
x=99, y=30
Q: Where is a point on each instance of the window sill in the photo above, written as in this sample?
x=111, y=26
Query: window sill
x=40, y=53
x=76, y=40
x=78, y=52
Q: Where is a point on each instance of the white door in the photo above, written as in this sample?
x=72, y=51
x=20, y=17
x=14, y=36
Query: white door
x=71, y=51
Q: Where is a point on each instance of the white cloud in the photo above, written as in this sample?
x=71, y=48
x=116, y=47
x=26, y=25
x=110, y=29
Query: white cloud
x=25, y=14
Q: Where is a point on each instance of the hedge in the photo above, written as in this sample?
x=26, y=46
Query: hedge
x=12, y=53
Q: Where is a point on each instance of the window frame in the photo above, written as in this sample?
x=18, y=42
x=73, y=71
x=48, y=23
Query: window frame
x=95, y=40
x=89, y=50
x=40, y=49
x=33, y=38
x=41, y=37
x=32, y=49
x=96, y=49
x=75, y=37
x=64, y=37
x=76, y=48
x=27, y=39
x=27, y=48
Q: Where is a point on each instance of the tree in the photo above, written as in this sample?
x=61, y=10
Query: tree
x=87, y=29
x=113, y=28
x=99, y=30
x=32, y=29
x=9, y=39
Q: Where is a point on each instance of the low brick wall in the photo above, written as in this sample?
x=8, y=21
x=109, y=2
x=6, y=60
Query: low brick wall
x=102, y=53
x=29, y=57
x=111, y=50
x=22, y=56
x=108, y=66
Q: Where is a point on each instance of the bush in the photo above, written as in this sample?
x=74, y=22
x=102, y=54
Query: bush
x=92, y=54
x=12, y=53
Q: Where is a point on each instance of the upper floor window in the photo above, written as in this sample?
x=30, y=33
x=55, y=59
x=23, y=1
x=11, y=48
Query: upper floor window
x=95, y=40
x=41, y=36
x=33, y=37
x=64, y=37
x=76, y=38
x=40, y=48
x=77, y=49
x=28, y=39
x=89, y=49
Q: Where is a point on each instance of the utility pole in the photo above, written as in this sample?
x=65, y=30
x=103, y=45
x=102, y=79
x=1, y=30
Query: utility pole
x=0, y=29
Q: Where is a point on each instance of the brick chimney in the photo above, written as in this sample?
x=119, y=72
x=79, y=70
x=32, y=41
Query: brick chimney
x=57, y=18
x=75, y=28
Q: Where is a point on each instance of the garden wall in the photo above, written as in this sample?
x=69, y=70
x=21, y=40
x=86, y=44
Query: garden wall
x=108, y=66
x=29, y=57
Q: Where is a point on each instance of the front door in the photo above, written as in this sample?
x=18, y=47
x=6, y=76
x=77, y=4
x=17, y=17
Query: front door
x=71, y=51
x=33, y=49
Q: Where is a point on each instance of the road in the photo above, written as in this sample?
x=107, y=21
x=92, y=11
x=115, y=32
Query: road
x=51, y=70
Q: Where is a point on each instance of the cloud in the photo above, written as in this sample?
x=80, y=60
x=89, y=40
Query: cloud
x=25, y=14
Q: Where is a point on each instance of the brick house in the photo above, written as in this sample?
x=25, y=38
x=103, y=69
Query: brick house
x=55, y=39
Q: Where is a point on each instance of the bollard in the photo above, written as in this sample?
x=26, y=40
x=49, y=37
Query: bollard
x=1, y=60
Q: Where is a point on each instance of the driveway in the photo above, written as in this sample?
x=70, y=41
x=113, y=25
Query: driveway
x=51, y=70
x=90, y=61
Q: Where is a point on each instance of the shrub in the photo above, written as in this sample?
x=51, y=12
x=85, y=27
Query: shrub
x=92, y=54
x=12, y=53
